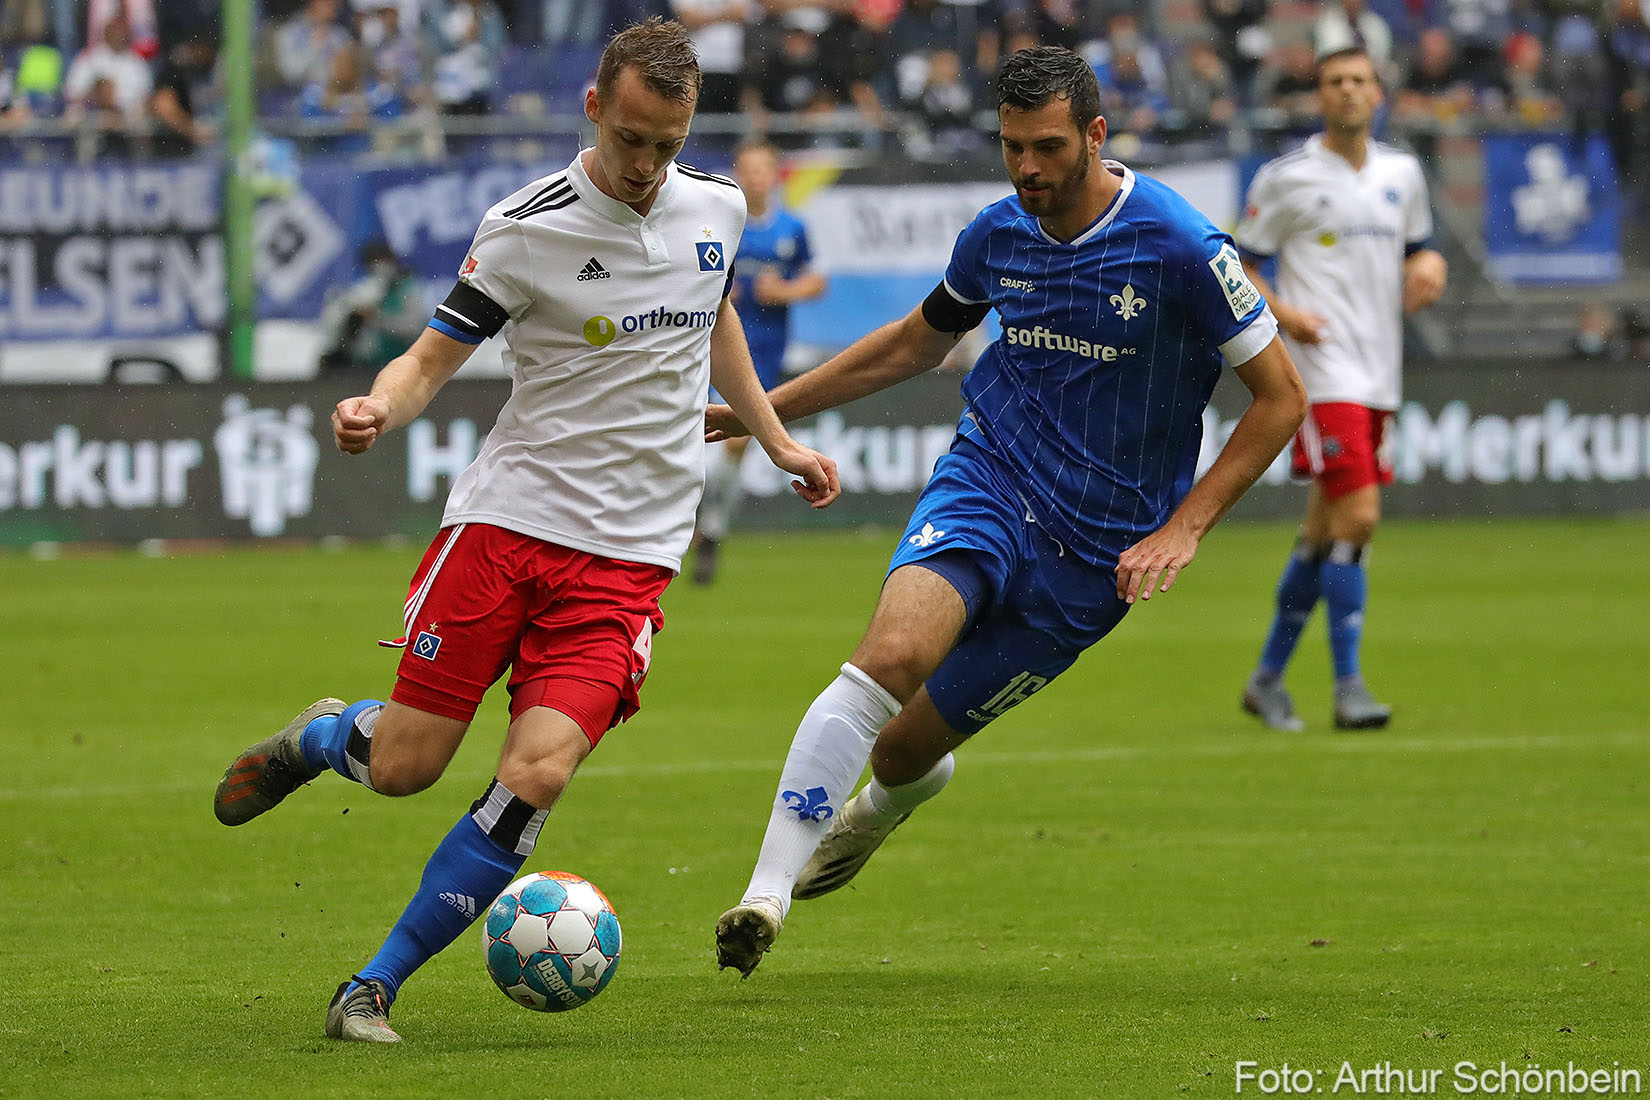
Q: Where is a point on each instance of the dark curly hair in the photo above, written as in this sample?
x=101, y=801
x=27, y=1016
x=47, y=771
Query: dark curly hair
x=1032, y=78
x=662, y=55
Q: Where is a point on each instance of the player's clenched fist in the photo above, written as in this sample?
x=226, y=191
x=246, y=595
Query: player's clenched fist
x=358, y=421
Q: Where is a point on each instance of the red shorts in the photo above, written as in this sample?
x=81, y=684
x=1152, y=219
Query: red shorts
x=1344, y=447
x=576, y=630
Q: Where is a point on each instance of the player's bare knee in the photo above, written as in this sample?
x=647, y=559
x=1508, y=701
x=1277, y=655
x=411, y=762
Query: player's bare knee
x=537, y=781
x=894, y=664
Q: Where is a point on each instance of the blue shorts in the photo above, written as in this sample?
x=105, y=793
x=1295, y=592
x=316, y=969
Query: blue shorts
x=1033, y=606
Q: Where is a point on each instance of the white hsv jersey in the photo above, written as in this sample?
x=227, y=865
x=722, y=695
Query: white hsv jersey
x=607, y=318
x=1340, y=237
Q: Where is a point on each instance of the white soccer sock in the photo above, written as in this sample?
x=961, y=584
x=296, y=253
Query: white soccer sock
x=828, y=753
x=889, y=804
x=723, y=494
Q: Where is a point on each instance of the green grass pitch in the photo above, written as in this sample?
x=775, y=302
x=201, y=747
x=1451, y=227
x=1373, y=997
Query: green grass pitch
x=1129, y=887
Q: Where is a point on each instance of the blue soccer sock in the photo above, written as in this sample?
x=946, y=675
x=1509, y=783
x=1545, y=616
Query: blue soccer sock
x=471, y=866
x=1297, y=595
x=1345, y=591
x=343, y=742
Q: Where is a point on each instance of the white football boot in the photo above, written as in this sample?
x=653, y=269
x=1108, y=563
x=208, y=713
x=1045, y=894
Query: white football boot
x=853, y=835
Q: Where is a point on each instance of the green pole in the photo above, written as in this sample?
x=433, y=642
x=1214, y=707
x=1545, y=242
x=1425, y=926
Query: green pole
x=238, y=197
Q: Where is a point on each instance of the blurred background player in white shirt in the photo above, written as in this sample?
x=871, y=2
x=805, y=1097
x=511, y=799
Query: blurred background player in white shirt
x=1348, y=222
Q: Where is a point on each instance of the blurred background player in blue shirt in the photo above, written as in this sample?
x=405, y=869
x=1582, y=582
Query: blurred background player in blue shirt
x=771, y=270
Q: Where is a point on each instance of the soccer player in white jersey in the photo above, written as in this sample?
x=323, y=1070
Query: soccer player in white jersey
x=609, y=283
x=1067, y=494
x=1348, y=222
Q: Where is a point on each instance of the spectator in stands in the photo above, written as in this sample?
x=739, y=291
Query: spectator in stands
x=1477, y=28
x=970, y=30
x=1129, y=99
x=1202, y=87
x=1133, y=77
x=374, y=318
x=24, y=21
x=351, y=98
x=1124, y=34
x=717, y=28
x=1348, y=23
x=140, y=23
x=180, y=20
x=1627, y=113
x=306, y=45
x=392, y=49
x=1435, y=87
x=806, y=79
x=947, y=105
x=109, y=77
x=468, y=36
x=1061, y=22
x=1241, y=40
x=187, y=68
x=1528, y=85
x=1289, y=80
x=34, y=88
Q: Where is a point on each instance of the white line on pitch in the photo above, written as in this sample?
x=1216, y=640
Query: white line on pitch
x=1348, y=744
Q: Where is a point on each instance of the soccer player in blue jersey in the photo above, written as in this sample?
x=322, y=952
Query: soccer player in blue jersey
x=772, y=269
x=1067, y=494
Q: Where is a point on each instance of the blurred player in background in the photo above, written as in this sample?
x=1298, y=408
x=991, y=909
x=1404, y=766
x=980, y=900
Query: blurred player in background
x=609, y=283
x=1067, y=493
x=1348, y=222
x=771, y=271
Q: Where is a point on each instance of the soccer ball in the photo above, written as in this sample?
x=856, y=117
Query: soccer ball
x=552, y=941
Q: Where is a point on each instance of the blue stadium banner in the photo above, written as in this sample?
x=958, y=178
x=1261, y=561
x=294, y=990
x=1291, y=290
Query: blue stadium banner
x=110, y=250
x=1552, y=209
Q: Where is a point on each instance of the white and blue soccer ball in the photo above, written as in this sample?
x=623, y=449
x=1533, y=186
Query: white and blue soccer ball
x=552, y=941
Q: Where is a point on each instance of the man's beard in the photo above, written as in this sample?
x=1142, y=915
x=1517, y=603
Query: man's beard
x=1060, y=196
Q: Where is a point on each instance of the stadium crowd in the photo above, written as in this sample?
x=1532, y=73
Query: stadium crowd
x=141, y=75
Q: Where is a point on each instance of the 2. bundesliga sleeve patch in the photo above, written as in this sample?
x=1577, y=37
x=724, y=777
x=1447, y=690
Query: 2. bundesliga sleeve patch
x=1240, y=293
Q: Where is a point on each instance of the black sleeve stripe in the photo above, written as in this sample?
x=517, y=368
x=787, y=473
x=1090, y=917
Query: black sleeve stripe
x=727, y=285
x=945, y=314
x=552, y=203
x=701, y=174
x=555, y=184
x=472, y=312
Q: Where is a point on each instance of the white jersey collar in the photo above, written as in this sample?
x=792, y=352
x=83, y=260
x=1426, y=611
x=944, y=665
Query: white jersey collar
x=1316, y=147
x=610, y=207
x=1117, y=168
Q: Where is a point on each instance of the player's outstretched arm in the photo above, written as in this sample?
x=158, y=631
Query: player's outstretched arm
x=734, y=377
x=885, y=357
x=400, y=392
x=1273, y=417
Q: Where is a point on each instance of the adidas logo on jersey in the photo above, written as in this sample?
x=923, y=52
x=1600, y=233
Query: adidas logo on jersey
x=593, y=270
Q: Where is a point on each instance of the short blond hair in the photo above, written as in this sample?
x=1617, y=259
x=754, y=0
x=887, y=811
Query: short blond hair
x=662, y=55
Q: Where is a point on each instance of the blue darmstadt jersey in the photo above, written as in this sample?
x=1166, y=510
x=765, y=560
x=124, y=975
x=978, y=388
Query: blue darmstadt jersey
x=1093, y=396
x=778, y=242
